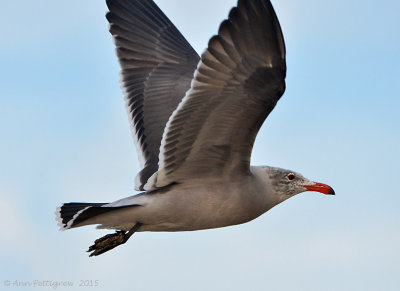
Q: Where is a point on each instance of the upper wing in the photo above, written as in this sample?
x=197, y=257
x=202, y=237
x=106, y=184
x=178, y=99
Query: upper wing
x=238, y=82
x=157, y=66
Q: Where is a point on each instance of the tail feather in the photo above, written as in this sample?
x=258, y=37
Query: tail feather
x=70, y=214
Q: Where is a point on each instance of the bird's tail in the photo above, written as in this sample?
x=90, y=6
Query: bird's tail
x=69, y=215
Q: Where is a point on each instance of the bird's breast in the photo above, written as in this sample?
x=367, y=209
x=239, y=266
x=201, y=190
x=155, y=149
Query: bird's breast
x=202, y=206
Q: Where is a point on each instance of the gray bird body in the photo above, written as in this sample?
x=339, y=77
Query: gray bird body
x=194, y=205
x=195, y=121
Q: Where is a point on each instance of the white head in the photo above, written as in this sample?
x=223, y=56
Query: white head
x=286, y=183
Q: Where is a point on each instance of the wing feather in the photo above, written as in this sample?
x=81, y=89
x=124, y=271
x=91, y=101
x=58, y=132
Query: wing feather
x=157, y=67
x=239, y=80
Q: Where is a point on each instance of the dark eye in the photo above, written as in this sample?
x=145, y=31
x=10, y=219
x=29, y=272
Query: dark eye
x=291, y=177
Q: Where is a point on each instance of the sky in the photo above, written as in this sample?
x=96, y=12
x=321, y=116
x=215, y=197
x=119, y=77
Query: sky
x=65, y=137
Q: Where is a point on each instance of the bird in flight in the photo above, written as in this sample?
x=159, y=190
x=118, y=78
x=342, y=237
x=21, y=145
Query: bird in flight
x=194, y=121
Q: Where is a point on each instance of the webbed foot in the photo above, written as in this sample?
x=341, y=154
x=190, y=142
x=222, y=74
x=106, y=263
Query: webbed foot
x=110, y=241
x=107, y=242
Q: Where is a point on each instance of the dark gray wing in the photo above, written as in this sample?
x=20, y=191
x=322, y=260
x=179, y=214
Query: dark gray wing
x=239, y=80
x=157, y=67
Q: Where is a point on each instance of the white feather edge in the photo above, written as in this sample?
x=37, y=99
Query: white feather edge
x=59, y=219
x=159, y=179
x=71, y=221
x=151, y=182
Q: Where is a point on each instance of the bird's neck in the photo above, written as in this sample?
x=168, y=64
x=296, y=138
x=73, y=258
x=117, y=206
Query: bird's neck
x=264, y=179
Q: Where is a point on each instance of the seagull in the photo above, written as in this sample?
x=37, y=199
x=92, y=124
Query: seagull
x=194, y=121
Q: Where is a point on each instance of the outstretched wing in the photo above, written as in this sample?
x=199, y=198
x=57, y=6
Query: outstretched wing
x=157, y=67
x=238, y=82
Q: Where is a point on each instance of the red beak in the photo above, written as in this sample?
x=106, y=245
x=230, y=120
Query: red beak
x=319, y=187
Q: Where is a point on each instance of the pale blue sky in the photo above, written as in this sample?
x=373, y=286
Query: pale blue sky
x=65, y=137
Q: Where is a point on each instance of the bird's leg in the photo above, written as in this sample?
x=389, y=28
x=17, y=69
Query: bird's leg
x=110, y=241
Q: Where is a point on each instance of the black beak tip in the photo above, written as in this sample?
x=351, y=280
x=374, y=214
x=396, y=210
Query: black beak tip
x=331, y=191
